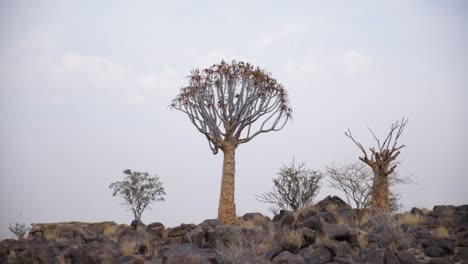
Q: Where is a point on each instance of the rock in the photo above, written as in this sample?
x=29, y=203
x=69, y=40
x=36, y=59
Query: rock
x=390, y=258
x=36, y=253
x=188, y=254
x=137, y=225
x=324, y=254
x=335, y=231
x=156, y=229
x=343, y=249
x=374, y=257
x=446, y=244
x=333, y=204
x=203, y=236
x=258, y=217
x=180, y=231
x=270, y=254
x=132, y=260
x=284, y=218
x=286, y=257
x=416, y=211
x=406, y=258
x=306, y=253
x=95, y=253
x=344, y=260
x=434, y=252
x=309, y=235
x=253, y=260
x=211, y=222
x=442, y=260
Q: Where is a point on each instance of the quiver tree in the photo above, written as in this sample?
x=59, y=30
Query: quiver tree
x=230, y=104
x=355, y=180
x=382, y=162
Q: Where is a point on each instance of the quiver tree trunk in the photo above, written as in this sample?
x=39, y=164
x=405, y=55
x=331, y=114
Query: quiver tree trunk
x=380, y=192
x=227, y=206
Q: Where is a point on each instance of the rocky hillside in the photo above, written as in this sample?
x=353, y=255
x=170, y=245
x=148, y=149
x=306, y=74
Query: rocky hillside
x=328, y=232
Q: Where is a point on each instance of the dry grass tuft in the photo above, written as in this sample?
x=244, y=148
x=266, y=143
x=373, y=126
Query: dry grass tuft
x=109, y=232
x=440, y=232
x=233, y=245
x=324, y=240
x=425, y=211
x=128, y=247
x=244, y=224
x=293, y=238
x=331, y=207
x=410, y=219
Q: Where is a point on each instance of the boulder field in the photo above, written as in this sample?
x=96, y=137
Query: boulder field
x=327, y=232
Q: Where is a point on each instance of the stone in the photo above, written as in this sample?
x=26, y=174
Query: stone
x=309, y=235
x=284, y=218
x=253, y=260
x=390, y=258
x=324, y=254
x=188, y=254
x=306, y=253
x=95, y=253
x=374, y=257
x=156, y=229
x=333, y=203
x=211, y=222
x=446, y=244
x=270, y=254
x=406, y=257
x=344, y=260
x=203, y=236
x=287, y=257
x=180, y=231
x=335, y=231
x=434, y=252
x=255, y=217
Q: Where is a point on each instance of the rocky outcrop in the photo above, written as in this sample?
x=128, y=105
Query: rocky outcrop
x=327, y=233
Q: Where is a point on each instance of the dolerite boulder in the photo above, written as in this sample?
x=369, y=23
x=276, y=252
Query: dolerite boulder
x=255, y=217
x=203, y=236
x=95, y=253
x=335, y=231
x=156, y=229
x=406, y=258
x=188, y=254
x=284, y=218
x=334, y=202
x=287, y=257
x=445, y=244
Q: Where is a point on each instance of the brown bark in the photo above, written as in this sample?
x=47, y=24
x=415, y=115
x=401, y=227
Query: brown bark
x=227, y=206
x=380, y=192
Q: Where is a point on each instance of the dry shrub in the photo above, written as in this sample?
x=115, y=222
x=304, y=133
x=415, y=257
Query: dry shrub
x=363, y=216
x=305, y=210
x=410, y=219
x=440, y=232
x=331, y=207
x=324, y=240
x=362, y=239
x=233, y=244
x=425, y=211
x=137, y=244
x=292, y=240
x=244, y=223
x=109, y=232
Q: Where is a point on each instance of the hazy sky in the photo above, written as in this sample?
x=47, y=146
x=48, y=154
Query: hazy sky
x=86, y=85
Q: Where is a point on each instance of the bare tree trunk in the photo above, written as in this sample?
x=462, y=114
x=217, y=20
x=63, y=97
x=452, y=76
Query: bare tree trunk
x=380, y=191
x=227, y=207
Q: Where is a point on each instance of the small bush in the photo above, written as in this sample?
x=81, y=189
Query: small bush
x=410, y=219
x=441, y=232
x=19, y=229
x=292, y=240
x=232, y=245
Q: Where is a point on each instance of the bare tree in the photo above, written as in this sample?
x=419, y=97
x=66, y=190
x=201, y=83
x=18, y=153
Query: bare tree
x=355, y=180
x=138, y=190
x=19, y=229
x=382, y=162
x=230, y=104
x=295, y=187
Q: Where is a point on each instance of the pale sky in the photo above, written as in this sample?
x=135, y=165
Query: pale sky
x=85, y=88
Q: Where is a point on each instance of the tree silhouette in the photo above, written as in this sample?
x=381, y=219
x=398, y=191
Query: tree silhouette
x=231, y=104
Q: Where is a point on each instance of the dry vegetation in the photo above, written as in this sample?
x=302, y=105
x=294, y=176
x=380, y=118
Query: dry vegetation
x=410, y=219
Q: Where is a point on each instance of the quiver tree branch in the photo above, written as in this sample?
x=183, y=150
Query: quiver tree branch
x=231, y=104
